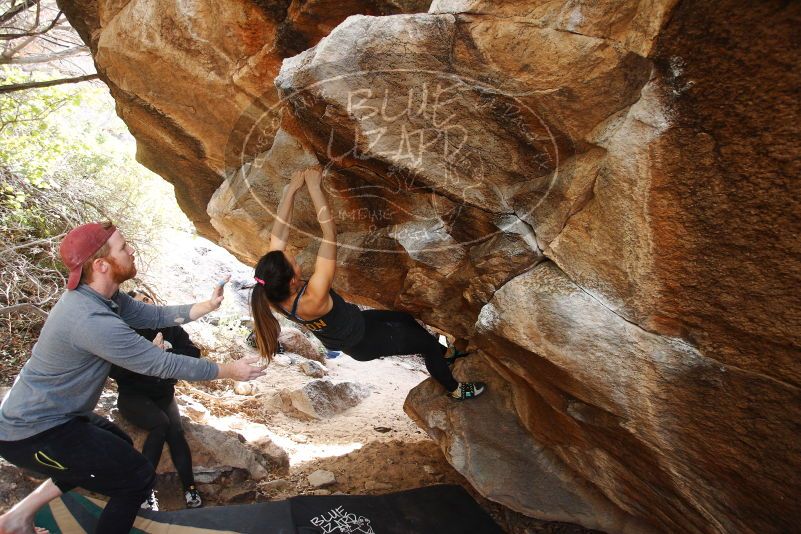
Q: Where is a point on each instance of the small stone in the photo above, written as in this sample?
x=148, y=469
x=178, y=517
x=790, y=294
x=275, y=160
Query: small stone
x=382, y=429
x=282, y=359
x=243, y=388
x=296, y=341
x=321, y=492
x=300, y=438
x=313, y=368
x=321, y=478
x=430, y=470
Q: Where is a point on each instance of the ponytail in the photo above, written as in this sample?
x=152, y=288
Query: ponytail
x=273, y=275
x=266, y=326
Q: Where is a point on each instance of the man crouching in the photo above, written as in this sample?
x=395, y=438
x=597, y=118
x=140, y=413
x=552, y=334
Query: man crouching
x=47, y=422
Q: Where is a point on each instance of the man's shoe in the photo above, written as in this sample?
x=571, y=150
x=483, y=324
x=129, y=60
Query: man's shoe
x=192, y=497
x=152, y=503
x=468, y=390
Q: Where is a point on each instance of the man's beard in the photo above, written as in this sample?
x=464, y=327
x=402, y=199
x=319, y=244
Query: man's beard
x=119, y=274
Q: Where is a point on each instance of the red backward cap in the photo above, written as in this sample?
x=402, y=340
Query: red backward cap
x=78, y=246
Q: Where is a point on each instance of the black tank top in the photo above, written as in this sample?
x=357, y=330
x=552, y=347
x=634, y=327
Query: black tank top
x=340, y=328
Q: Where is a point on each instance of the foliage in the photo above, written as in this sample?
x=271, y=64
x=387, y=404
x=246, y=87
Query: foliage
x=31, y=224
x=71, y=140
x=31, y=145
x=65, y=159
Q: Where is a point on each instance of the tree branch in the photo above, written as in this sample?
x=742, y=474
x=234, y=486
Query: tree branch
x=23, y=307
x=9, y=50
x=43, y=58
x=49, y=83
x=8, y=36
x=31, y=243
x=16, y=10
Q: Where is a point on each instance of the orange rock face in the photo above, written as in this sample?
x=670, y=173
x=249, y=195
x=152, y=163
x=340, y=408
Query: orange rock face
x=601, y=196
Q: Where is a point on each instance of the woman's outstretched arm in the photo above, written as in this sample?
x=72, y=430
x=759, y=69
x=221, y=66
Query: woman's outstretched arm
x=325, y=266
x=283, y=217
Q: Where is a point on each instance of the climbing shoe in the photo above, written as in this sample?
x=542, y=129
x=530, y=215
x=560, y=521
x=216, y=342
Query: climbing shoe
x=468, y=390
x=192, y=497
x=152, y=503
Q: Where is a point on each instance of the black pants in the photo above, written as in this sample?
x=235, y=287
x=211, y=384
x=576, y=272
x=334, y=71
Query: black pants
x=94, y=454
x=389, y=333
x=160, y=417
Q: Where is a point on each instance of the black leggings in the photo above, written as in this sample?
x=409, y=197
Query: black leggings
x=159, y=416
x=389, y=333
x=92, y=453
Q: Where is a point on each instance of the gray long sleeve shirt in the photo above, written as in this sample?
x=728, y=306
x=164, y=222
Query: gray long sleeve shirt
x=83, y=335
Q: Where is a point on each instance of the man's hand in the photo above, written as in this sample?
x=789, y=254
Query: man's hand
x=242, y=370
x=217, y=295
x=200, y=309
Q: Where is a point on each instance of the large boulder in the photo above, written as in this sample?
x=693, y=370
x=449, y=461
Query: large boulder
x=601, y=196
x=191, y=78
x=502, y=458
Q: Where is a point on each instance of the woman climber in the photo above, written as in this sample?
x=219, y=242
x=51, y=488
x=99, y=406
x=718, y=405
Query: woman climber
x=362, y=334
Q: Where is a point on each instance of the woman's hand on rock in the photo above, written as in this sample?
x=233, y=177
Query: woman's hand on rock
x=313, y=176
x=296, y=182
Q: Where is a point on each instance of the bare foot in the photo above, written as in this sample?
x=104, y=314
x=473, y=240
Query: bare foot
x=11, y=523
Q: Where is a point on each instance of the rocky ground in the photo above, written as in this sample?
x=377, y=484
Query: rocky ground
x=312, y=425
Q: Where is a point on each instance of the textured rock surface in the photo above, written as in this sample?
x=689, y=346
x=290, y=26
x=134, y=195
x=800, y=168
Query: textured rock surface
x=191, y=77
x=321, y=478
x=322, y=398
x=313, y=368
x=601, y=196
x=296, y=342
x=495, y=451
